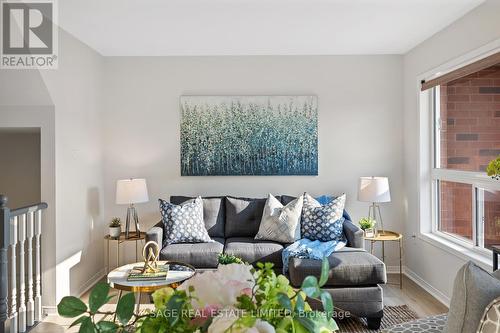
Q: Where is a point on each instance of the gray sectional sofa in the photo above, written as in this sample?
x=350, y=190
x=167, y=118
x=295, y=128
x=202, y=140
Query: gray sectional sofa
x=232, y=223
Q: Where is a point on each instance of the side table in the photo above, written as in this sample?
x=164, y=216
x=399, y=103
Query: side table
x=122, y=239
x=496, y=252
x=389, y=236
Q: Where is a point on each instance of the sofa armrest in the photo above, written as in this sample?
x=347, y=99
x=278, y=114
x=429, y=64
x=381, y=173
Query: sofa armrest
x=354, y=234
x=155, y=234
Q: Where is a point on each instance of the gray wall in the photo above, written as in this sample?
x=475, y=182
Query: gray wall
x=435, y=267
x=360, y=116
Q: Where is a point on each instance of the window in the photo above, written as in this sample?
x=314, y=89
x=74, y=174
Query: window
x=466, y=137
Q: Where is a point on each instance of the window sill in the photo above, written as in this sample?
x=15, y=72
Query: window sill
x=460, y=251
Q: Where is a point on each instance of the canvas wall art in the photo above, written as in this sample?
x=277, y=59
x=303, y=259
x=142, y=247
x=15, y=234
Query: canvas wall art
x=249, y=135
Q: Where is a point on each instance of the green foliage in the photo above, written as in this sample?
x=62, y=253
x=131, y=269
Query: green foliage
x=493, y=169
x=226, y=259
x=242, y=136
x=115, y=222
x=272, y=299
x=367, y=223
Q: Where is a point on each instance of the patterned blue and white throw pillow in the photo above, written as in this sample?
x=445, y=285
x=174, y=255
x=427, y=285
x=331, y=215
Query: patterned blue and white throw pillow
x=323, y=222
x=183, y=223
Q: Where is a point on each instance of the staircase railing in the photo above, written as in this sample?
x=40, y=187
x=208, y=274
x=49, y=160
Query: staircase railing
x=20, y=292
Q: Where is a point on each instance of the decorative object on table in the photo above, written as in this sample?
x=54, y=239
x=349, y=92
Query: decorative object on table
x=323, y=222
x=123, y=239
x=115, y=227
x=280, y=223
x=249, y=135
x=368, y=226
x=150, y=254
x=493, y=168
x=129, y=192
x=240, y=297
x=374, y=190
x=389, y=236
x=183, y=223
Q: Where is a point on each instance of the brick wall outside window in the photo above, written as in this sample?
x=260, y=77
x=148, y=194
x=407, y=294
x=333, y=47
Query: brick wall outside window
x=470, y=138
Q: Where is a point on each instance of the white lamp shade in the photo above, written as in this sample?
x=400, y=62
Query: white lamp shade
x=130, y=191
x=374, y=189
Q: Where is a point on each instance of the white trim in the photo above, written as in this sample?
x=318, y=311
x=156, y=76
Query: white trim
x=91, y=282
x=478, y=179
x=442, y=298
x=49, y=310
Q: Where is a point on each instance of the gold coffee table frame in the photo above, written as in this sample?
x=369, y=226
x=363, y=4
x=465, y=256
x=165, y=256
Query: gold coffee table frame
x=389, y=236
x=117, y=279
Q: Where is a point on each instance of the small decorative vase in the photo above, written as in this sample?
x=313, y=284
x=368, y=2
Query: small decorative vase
x=369, y=233
x=115, y=232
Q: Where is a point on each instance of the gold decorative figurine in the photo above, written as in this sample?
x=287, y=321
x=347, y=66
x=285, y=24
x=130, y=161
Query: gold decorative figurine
x=151, y=258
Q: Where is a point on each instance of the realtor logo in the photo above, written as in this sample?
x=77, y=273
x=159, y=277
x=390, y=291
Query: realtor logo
x=29, y=34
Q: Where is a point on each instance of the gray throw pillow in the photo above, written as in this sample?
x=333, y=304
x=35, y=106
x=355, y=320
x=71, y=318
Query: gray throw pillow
x=280, y=223
x=183, y=223
x=473, y=290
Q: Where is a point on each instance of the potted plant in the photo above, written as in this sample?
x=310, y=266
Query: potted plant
x=493, y=168
x=115, y=227
x=367, y=224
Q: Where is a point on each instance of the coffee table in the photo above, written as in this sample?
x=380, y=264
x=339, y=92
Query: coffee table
x=178, y=273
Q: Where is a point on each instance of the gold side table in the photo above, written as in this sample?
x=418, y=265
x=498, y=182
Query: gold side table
x=389, y=236
x=137, y=238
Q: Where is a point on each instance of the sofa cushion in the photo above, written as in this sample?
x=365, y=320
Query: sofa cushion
x=243, y=216
x=348, y=267
x=214, y=213
x=253, y=251
x=473, y=290
x=199, y=255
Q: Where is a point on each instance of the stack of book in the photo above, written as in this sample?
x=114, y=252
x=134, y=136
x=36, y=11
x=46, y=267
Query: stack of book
x=136, y=274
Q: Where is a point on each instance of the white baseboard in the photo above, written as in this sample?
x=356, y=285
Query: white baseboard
x=49, y=310
x=442, y=298
x=91, y=282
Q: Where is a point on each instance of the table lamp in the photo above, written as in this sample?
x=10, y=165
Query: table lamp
x=129, y=192
x=374, y=190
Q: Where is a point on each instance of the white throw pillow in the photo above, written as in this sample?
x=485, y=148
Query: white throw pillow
x=280, y=223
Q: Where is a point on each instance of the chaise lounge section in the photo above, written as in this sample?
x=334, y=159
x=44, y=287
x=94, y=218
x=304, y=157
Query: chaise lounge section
x=232, y=223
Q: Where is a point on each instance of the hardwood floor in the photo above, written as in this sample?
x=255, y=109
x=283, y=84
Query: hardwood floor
x=412, y=295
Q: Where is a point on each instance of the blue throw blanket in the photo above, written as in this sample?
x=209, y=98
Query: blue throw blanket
x=308, y=249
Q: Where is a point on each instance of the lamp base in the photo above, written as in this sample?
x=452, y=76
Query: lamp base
x=372, y=214
x=132, y=214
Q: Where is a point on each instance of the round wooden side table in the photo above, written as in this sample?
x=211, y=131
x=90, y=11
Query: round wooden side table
x=134, y=237
x=389, y=236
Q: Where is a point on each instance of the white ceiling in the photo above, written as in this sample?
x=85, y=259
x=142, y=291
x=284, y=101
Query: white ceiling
x=257, y=27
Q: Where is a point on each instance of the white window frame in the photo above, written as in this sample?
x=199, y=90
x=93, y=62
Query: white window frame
x=429, y=172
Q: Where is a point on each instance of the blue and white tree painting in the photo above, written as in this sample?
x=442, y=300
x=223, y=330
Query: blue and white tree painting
x=249, y=135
